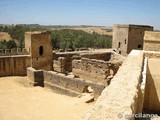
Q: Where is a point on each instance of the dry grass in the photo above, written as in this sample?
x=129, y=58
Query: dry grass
x=98, y=30
x=5, y=36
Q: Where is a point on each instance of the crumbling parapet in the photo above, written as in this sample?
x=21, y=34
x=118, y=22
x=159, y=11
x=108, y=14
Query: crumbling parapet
x=14, y=51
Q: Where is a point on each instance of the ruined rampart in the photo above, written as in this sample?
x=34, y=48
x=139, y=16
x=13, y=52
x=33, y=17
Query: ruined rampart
x=98, y=71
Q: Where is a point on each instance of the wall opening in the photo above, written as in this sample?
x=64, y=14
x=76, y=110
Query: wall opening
x=125, y=41
x=41, y=50
x=139, y=46
x=119, y=44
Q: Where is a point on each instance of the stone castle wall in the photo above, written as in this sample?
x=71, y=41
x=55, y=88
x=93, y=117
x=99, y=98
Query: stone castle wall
x=14, y=65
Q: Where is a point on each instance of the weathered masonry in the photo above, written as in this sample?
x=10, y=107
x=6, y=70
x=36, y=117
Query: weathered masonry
x=152, y=41
x=14, y=65
x=133, y=90
x=39, y=47
x=128, y=37
x=65, y=78
x=99, y=70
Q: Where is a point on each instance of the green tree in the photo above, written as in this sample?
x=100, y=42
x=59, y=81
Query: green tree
x=77, y=39
x=7, y=44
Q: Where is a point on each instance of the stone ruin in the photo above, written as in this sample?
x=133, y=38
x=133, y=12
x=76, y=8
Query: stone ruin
x=123, y=87
x=70, y=73
x=100, y=70
x=65, y=79
x=98, y=67
x=82, y=69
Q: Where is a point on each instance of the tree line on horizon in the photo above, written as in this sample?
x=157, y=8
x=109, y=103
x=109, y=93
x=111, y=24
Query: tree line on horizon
x=72, y=39
x=60, y=39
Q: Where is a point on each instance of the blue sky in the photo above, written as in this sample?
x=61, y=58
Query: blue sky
x=80, y=12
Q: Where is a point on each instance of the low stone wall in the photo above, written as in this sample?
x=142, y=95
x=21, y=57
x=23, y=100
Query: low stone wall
x=97, y=71
x=70, y=86
x=14, y=65
x=123, y=96
x=105, y=56
x=36, y=76
x=62, y=61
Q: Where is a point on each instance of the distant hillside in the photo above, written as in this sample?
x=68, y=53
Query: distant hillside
x=5, y=36
x=99, y=30
x=102, y=30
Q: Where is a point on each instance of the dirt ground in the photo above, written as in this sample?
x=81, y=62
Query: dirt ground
x=18, y=102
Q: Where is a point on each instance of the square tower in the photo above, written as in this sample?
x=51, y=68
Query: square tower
x=128, y=37
x=38, y=45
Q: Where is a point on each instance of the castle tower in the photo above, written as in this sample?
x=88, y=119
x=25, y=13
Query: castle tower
x=38, y=45
x=128, y=37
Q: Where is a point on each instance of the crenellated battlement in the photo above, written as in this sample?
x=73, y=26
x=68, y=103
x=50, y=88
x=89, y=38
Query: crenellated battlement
x=14, y=51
